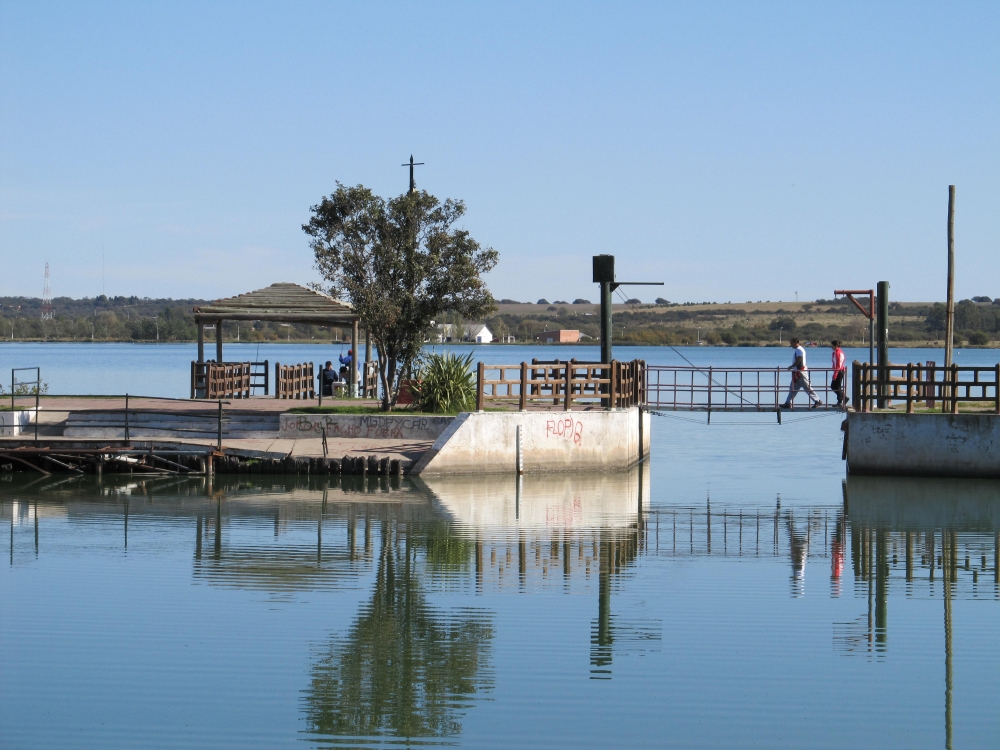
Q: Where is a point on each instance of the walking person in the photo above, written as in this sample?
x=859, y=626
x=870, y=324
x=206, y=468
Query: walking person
x=800, y=377
x=839, y=372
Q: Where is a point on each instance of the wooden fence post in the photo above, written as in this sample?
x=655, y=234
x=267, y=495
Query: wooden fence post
x=277, y=379
x=480, y=377
x=954, y=389
x=568, y=387
x=931, y=377
x=856, y=385
x=996, y=388
x=866, y=386
x=613, y=385
x=524, y=386
x=909, y=388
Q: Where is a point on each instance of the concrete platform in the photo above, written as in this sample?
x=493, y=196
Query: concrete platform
x=927, y=445
x=472, y=443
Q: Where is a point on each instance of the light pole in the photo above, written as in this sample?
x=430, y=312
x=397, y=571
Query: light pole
x=780, y=329
x=156, y=320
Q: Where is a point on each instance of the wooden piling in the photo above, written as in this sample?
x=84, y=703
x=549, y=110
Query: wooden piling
x=949, y=326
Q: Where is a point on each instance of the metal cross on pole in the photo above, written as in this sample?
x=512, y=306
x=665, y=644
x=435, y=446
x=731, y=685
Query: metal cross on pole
x=411, y=165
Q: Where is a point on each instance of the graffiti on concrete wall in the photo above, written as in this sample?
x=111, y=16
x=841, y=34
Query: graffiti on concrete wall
x=362, y=426
x=566, y=428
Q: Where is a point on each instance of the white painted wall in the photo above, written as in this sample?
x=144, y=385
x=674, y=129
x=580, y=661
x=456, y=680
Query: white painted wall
x=945, y=445
x=14, y=422
x=486, y=442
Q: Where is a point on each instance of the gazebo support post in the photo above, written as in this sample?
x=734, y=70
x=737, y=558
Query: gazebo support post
x=368, y=358
x=218, y=341
x=201, y=341
x=353, y=372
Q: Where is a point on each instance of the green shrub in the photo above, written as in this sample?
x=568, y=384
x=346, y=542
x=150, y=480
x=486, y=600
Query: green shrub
x=445, y=384
x=979, y=338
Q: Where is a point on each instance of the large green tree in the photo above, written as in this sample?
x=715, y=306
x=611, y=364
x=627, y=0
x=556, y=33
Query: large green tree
x=401, y=263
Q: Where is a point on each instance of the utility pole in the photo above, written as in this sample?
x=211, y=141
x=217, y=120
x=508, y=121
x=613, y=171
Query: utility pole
x=46, y=296
x=411, y=165
x=949, y=325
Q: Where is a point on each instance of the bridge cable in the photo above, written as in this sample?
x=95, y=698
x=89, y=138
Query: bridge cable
x=634, y=309
x=743, y=424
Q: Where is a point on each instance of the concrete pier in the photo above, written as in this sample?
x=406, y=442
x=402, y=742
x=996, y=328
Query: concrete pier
x=532, y=442
x=253, y=431
x=927, y=445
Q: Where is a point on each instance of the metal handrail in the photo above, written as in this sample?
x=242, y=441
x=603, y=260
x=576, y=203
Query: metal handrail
x=679, y=388
x=37, y=382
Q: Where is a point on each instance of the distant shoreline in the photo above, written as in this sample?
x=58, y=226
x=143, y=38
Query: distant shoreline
x=312, y=342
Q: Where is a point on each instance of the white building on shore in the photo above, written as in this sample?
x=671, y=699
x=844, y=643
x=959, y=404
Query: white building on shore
x=476, y=333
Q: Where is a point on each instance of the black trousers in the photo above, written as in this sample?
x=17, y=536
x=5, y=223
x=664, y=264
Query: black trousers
x=837, y=386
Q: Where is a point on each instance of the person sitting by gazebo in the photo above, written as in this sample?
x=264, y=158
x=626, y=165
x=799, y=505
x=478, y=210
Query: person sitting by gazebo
x=328, y=377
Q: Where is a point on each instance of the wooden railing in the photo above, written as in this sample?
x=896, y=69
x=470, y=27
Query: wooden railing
x=370, y=384
x=217, y=380
x=294, y=381
x=876, y=387
x=561, y=384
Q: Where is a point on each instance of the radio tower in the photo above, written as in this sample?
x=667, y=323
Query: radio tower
x=46, y=296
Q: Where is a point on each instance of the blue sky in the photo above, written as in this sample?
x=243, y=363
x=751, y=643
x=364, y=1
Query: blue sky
x=736, y=151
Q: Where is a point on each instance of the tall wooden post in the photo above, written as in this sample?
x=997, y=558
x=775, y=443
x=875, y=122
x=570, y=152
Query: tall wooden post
x=480, y=385
x=368, y=358
x=218, y=341
x=353, y=374
x=949, y=325
x=882, y=297
x=201, y=341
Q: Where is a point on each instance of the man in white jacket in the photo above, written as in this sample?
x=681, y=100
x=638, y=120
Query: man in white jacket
x=800, y=377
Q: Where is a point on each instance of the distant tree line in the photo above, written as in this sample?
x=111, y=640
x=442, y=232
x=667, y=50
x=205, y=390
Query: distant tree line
x=977, y=321
x=132, y=319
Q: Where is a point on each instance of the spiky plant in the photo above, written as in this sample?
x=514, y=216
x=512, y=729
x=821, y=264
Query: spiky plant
x=444, y=384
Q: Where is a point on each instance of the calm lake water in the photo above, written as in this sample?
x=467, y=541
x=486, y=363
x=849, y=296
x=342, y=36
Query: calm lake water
x=734, y=592
x=165, y=369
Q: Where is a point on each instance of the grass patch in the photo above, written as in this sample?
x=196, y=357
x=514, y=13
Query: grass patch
x=360, y=409
x=374, y=410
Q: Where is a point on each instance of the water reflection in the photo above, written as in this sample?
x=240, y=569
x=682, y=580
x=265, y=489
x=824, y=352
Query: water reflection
x=405, y=668
x=557, y=526
x=951, y=526
x=429, y=568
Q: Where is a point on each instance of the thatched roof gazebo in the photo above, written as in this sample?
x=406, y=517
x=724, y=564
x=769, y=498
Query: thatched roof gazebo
x=282, y=303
